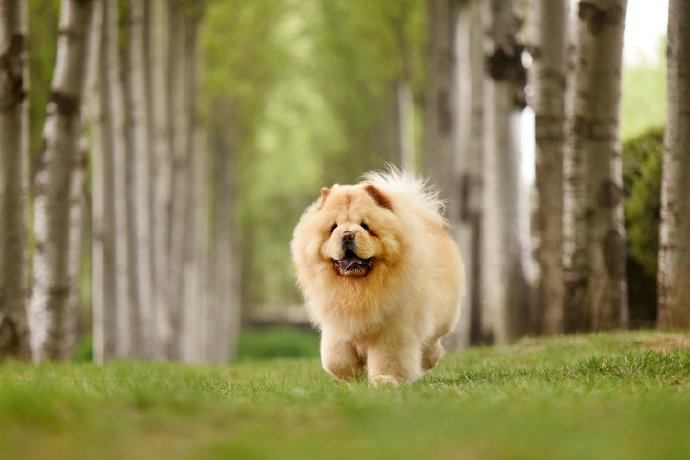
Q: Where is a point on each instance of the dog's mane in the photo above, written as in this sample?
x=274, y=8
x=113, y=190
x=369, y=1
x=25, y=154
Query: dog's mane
x=401, y=183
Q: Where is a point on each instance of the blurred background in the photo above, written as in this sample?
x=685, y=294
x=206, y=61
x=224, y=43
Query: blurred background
x=249, y=108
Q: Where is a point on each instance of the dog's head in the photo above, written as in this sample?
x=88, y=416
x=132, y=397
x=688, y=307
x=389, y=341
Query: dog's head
x=352, y=230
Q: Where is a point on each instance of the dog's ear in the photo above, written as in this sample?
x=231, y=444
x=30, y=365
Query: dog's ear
x=324, y=194
x=378, y=196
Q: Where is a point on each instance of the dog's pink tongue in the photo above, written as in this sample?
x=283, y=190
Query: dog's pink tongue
x=349, y=263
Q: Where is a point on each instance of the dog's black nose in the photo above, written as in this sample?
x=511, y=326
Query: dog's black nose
x=348, y=236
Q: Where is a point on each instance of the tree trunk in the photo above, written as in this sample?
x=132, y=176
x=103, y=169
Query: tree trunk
x=125, y=273
x=225, y=257
x=596, y=291
x=674, y=253
x=51, y=209
x=180, y=226
x=140, y=162
x=470, y=126
x=401, y=124
x=504, y=286
x=104, y=276
x=14, y=173
x=440, y=105
x=549, y=82
x=76, y=203
x=201, y=320
x=160, y=133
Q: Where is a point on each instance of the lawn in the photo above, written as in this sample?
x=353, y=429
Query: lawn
x=625, y=395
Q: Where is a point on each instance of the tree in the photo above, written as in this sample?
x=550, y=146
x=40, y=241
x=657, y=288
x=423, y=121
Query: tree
x=402, y=106
x=180, y=226
x=440, y=111
x=70, y=319
x=14, y=173
x=674, y=254
x=140, y=160
x=548, y=77
x=163, y=171
x=51, y=208
x=225, y=271
x=104, y=276
x=594, y=232
x=469, y=157
x=504, y=286
x=116, y=147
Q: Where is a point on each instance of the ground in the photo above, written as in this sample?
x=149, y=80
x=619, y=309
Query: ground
x=602, y=396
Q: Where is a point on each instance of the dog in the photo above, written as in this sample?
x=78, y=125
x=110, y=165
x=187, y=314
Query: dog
x=381, y=276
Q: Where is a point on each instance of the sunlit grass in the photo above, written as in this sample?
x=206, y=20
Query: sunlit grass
x=599, y=396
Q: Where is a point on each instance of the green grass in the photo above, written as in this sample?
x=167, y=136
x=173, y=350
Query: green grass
x=583, y=397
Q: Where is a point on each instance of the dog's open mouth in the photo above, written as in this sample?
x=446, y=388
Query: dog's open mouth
x=352, y=265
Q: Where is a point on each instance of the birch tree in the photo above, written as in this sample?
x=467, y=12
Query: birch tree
x=14, y=155
x=402, y=110
x=504, y=290
x=674, y=253
x=548, y=78
x=70, y=320
x=440, y=109
x=138, y=115
x=180, y=227
x=160, y=140
x=104, y=278
x=51, y=208
x=196, y=318
x=594, y=234
x=124, y=268
x=225, y=274
x=470, y=127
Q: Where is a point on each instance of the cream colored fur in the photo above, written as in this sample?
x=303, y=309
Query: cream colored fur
x=392, y=319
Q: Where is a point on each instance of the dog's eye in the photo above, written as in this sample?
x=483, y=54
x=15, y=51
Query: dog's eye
x=364, y=226
x=333, y=227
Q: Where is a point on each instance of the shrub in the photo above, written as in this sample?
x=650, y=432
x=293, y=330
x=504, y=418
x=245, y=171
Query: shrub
x=642, y=159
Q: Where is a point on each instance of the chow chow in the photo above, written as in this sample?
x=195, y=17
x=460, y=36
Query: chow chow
x=381, y=276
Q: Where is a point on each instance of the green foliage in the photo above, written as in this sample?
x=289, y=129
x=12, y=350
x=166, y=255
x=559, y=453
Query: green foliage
x=277, y=343
x=43, y=29
x=84, y=350
x=363, y=48
x=299, y=91
x=642, y=159
x=644, y=96
x=595, y=396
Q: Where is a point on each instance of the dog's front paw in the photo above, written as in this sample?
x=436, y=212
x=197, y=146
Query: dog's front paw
x=385, y=380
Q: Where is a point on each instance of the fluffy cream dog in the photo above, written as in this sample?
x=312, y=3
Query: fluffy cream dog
x=381, y=276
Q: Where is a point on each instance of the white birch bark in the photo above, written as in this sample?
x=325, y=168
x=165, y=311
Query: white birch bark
x=200, y=319
x=139, y=118
x=14, y=190
x=181, y=228
x=198, y=312
x=51, y=209
x=112, y=82
x=225, y=274
x=401, y=124
x=548, y=80
x=104, y=278
x=594, y=247
x=439, y=142
x=674, y=246
x=470, y=126
x=70, y=320
x=162, y=174
x=504, y=290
